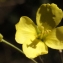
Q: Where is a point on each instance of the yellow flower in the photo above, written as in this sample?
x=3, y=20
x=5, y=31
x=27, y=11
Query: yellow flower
x=34, y=38
x=26, y=34
x=49, y=16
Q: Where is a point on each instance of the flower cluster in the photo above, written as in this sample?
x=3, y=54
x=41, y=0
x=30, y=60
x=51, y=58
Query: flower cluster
x=36, y=39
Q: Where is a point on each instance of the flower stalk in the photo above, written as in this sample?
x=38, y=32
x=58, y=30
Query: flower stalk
x=6, y=42
x=61, y=57
x=41, y=59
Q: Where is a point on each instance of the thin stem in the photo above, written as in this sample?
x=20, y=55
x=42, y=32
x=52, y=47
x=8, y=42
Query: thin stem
x=6, y=42
x=61, y=56
x=34, y=61
x=41, y=59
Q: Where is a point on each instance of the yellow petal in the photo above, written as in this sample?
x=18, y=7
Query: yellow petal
x=55, y=38
x=25, y=30
x=49, y=15
x=35, y=50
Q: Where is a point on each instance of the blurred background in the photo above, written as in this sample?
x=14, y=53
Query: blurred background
x=10, y=13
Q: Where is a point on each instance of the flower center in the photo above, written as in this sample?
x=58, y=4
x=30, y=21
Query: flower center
x=42, y=33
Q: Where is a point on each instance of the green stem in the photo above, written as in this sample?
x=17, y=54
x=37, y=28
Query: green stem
x=6, y=42
x=41, y=59
x=61, y=57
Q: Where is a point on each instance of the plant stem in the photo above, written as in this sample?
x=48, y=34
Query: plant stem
x=41, y=59
x=61, y=56
x=6, y=42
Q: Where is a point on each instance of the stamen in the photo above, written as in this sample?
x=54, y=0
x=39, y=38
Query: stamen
x=42, y=33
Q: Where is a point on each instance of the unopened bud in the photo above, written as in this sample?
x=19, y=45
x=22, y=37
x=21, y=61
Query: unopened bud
x=1, y=37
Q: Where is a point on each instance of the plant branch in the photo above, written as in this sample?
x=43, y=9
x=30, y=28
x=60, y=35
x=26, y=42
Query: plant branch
x=6, y=42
